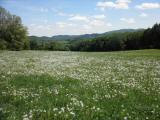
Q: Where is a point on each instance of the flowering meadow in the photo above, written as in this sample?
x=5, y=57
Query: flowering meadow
x=46, y=85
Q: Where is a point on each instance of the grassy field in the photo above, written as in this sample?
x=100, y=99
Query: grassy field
x=43, y=85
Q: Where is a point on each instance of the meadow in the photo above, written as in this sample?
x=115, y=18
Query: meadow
x=47, y=85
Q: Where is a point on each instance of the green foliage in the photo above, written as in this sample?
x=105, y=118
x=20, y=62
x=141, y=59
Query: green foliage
x=140, y=39
x=48, y=45
x=133, y=40
x=13, y=35
x=3, y=44
x=151, y=38
x=56, y=46
x=112, y=42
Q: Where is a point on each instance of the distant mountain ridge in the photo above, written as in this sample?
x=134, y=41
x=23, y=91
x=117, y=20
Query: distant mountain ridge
x=79, y=37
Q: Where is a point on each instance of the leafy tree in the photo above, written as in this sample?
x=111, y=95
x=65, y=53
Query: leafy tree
x=57, y=46
x=3, y=44
x=12, y=31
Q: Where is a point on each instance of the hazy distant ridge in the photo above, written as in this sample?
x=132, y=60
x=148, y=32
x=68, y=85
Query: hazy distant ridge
x=79, y=37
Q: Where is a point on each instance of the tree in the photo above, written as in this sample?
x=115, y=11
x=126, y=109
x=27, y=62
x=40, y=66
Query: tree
x=3, y=44
x=151, y=37
x=12, y=31
x=133, y=40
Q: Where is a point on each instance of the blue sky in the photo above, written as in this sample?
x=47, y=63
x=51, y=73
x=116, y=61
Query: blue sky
x=73, y=17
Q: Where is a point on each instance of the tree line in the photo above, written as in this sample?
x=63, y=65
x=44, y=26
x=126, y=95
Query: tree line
x=49, y=45
x=141, y=39
x=14, y=36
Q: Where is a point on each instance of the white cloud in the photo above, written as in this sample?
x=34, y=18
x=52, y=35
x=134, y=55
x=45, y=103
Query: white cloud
x=85, y=26
x=118, y=4
x=90, y=22
x=143, y=15
x=64, y=24
x=109, y=25
x=144, y=6
x=104, y=5
x=99, y=16
x=64, y=14
x=122, y=4
x=74, y=25
x=79, y=18
x=62, y=28
x=37, y=9
x=97, y=23
x=61, y=13
x=95, y=26
x=128, y=20
x=40, y=30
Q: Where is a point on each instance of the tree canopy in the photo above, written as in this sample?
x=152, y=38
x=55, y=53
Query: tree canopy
x=141, y=39
x=13, y=35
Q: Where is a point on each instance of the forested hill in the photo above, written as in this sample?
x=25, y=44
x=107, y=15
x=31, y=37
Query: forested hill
x=79, y=37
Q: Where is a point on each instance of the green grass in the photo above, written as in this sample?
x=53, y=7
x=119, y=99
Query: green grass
x=41, y=85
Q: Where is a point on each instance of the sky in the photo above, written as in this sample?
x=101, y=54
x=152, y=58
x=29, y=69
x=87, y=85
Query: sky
x=75, y=17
